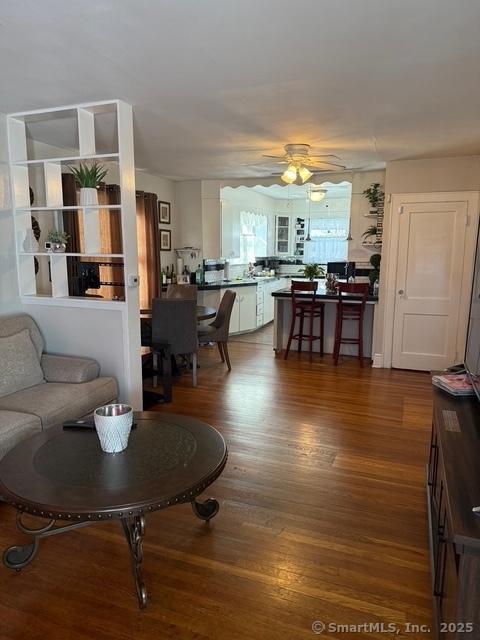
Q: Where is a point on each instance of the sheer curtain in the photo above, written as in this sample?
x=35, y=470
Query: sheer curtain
x=253, y=238
x=328, y=240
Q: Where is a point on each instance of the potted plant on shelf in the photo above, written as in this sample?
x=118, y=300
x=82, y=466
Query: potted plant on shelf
x=312, y=271
x=88, y=178
x=374, y=195
x=371, y=232
x=58, y=240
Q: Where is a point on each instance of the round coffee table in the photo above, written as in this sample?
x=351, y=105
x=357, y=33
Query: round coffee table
x=64, y=476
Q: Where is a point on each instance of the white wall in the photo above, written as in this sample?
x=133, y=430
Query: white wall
x=421, y=176
x=9, y=298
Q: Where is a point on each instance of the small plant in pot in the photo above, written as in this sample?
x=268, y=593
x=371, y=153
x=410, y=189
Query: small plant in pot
x=312, y=271
x=374, y=274
x=58, y=240
x=374, y=195
x=371, y=232
x=88, y=178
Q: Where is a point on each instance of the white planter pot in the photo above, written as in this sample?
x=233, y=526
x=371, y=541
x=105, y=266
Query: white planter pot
x=113, y=423
x=58, y=247
x=30, y=244
x=88, y=196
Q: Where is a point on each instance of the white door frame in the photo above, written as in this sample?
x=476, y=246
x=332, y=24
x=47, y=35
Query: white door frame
x=390, y=260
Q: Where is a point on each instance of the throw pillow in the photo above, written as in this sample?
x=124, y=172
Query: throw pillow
x=19, y=365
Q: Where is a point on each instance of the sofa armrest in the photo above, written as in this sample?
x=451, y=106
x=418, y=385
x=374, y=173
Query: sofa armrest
x=68, y=368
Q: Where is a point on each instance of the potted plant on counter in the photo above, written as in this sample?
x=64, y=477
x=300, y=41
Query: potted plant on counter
x=88, y=178
x=374, y=274
x=312, y=271
x=374, y=194
x=58, y=240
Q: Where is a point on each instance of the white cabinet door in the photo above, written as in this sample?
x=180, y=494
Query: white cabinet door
x=268, y=302
x=248, y=308
x=230, y=232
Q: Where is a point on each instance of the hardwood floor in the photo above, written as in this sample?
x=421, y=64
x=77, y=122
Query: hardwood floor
x=323, y=517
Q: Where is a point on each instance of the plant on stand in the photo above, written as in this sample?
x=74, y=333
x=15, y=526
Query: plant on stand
x=88, y=178
x=374, y=274
x=374, y=195
x=312, y=271
x=371, y=232
x=58, y=240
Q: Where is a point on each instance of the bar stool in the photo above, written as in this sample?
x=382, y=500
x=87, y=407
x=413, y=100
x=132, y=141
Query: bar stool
x=305, y=306
x=350, y=308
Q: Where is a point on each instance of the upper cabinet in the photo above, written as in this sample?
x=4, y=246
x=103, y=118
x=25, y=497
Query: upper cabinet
x=282, y=235
x=230, y=231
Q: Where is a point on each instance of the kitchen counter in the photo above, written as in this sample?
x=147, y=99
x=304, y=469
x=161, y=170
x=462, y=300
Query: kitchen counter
x=245, y=282
x=283, y=315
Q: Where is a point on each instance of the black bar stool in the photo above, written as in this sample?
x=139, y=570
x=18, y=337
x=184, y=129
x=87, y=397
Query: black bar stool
x=305, y=305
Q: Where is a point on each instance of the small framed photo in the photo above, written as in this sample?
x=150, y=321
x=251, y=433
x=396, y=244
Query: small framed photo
x=165, y=240
x=164, y=212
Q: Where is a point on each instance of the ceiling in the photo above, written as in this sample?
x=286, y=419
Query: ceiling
x=302, y=191
x=215, y=84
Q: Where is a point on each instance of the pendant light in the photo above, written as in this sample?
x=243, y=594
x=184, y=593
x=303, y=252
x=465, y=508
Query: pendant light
x=290, y=174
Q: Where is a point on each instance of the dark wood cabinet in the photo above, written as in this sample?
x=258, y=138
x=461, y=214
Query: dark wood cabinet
x=453, y=485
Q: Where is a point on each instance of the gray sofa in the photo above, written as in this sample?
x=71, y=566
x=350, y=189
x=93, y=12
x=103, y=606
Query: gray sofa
x=63, y=387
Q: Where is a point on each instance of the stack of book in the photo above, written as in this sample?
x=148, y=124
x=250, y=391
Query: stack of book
x=455, y=383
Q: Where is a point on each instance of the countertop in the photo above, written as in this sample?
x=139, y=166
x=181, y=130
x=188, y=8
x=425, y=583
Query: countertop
x=245, y=282
x=321, y=294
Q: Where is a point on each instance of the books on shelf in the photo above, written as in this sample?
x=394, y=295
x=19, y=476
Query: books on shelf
x=454, y=383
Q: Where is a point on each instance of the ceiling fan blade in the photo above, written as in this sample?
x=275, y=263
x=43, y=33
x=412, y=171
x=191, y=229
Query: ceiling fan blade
x=326, y=155
x=326, y=166
x=264, y=155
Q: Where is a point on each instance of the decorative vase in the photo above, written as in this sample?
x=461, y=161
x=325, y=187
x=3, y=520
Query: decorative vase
x=30, y=244
x=88, y=196
x=58, y=247
x=113, y=423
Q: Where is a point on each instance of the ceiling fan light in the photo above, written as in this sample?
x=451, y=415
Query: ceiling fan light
x=304, y=174
x=290, y=174
x=318, y=196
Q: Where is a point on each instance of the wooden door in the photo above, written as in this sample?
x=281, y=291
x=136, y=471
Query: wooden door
x=428, y=287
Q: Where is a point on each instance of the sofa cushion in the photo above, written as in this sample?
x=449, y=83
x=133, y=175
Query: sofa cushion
x=20, y=364
x=9, y=325
x=15, y=427
x=55, y=402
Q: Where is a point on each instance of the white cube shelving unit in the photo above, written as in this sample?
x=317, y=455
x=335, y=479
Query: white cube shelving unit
x=41, y=145
x=82, y=126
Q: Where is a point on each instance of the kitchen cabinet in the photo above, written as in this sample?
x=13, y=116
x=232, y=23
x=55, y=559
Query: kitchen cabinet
x=268, y=300
x=230, y=231
x=282, y=235
x=244, y=312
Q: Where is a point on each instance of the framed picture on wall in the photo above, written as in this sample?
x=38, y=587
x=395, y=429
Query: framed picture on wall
x=164, y=212
x=165, y=240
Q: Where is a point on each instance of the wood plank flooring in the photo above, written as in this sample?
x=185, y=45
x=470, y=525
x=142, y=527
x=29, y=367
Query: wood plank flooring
x=323, y=517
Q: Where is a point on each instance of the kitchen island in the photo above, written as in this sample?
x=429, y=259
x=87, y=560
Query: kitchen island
x=283, y=315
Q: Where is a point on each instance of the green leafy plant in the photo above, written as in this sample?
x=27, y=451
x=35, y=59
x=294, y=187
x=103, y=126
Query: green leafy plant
x=89, y=176
x=374, y=274
x=374, y=194
x=371, y=231
x=57, y=237
x=312, y=271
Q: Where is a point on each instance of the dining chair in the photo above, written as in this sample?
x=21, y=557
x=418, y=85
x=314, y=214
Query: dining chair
x=351, y=309
x=218, y=330
x=174, y=322
x=182, y=291
x=305, y=306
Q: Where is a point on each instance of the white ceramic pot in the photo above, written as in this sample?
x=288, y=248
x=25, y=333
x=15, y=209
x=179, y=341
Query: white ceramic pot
x=30, y=244
x=113, y=423
x=88, y=196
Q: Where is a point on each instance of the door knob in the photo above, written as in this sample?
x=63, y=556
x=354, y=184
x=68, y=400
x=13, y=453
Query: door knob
x=401, y=292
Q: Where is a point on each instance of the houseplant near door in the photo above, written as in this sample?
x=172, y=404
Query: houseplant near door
x=88, y=178
x=374, y=194
x=312, y=271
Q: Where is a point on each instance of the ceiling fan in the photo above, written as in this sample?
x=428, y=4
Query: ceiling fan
x=301, y=165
